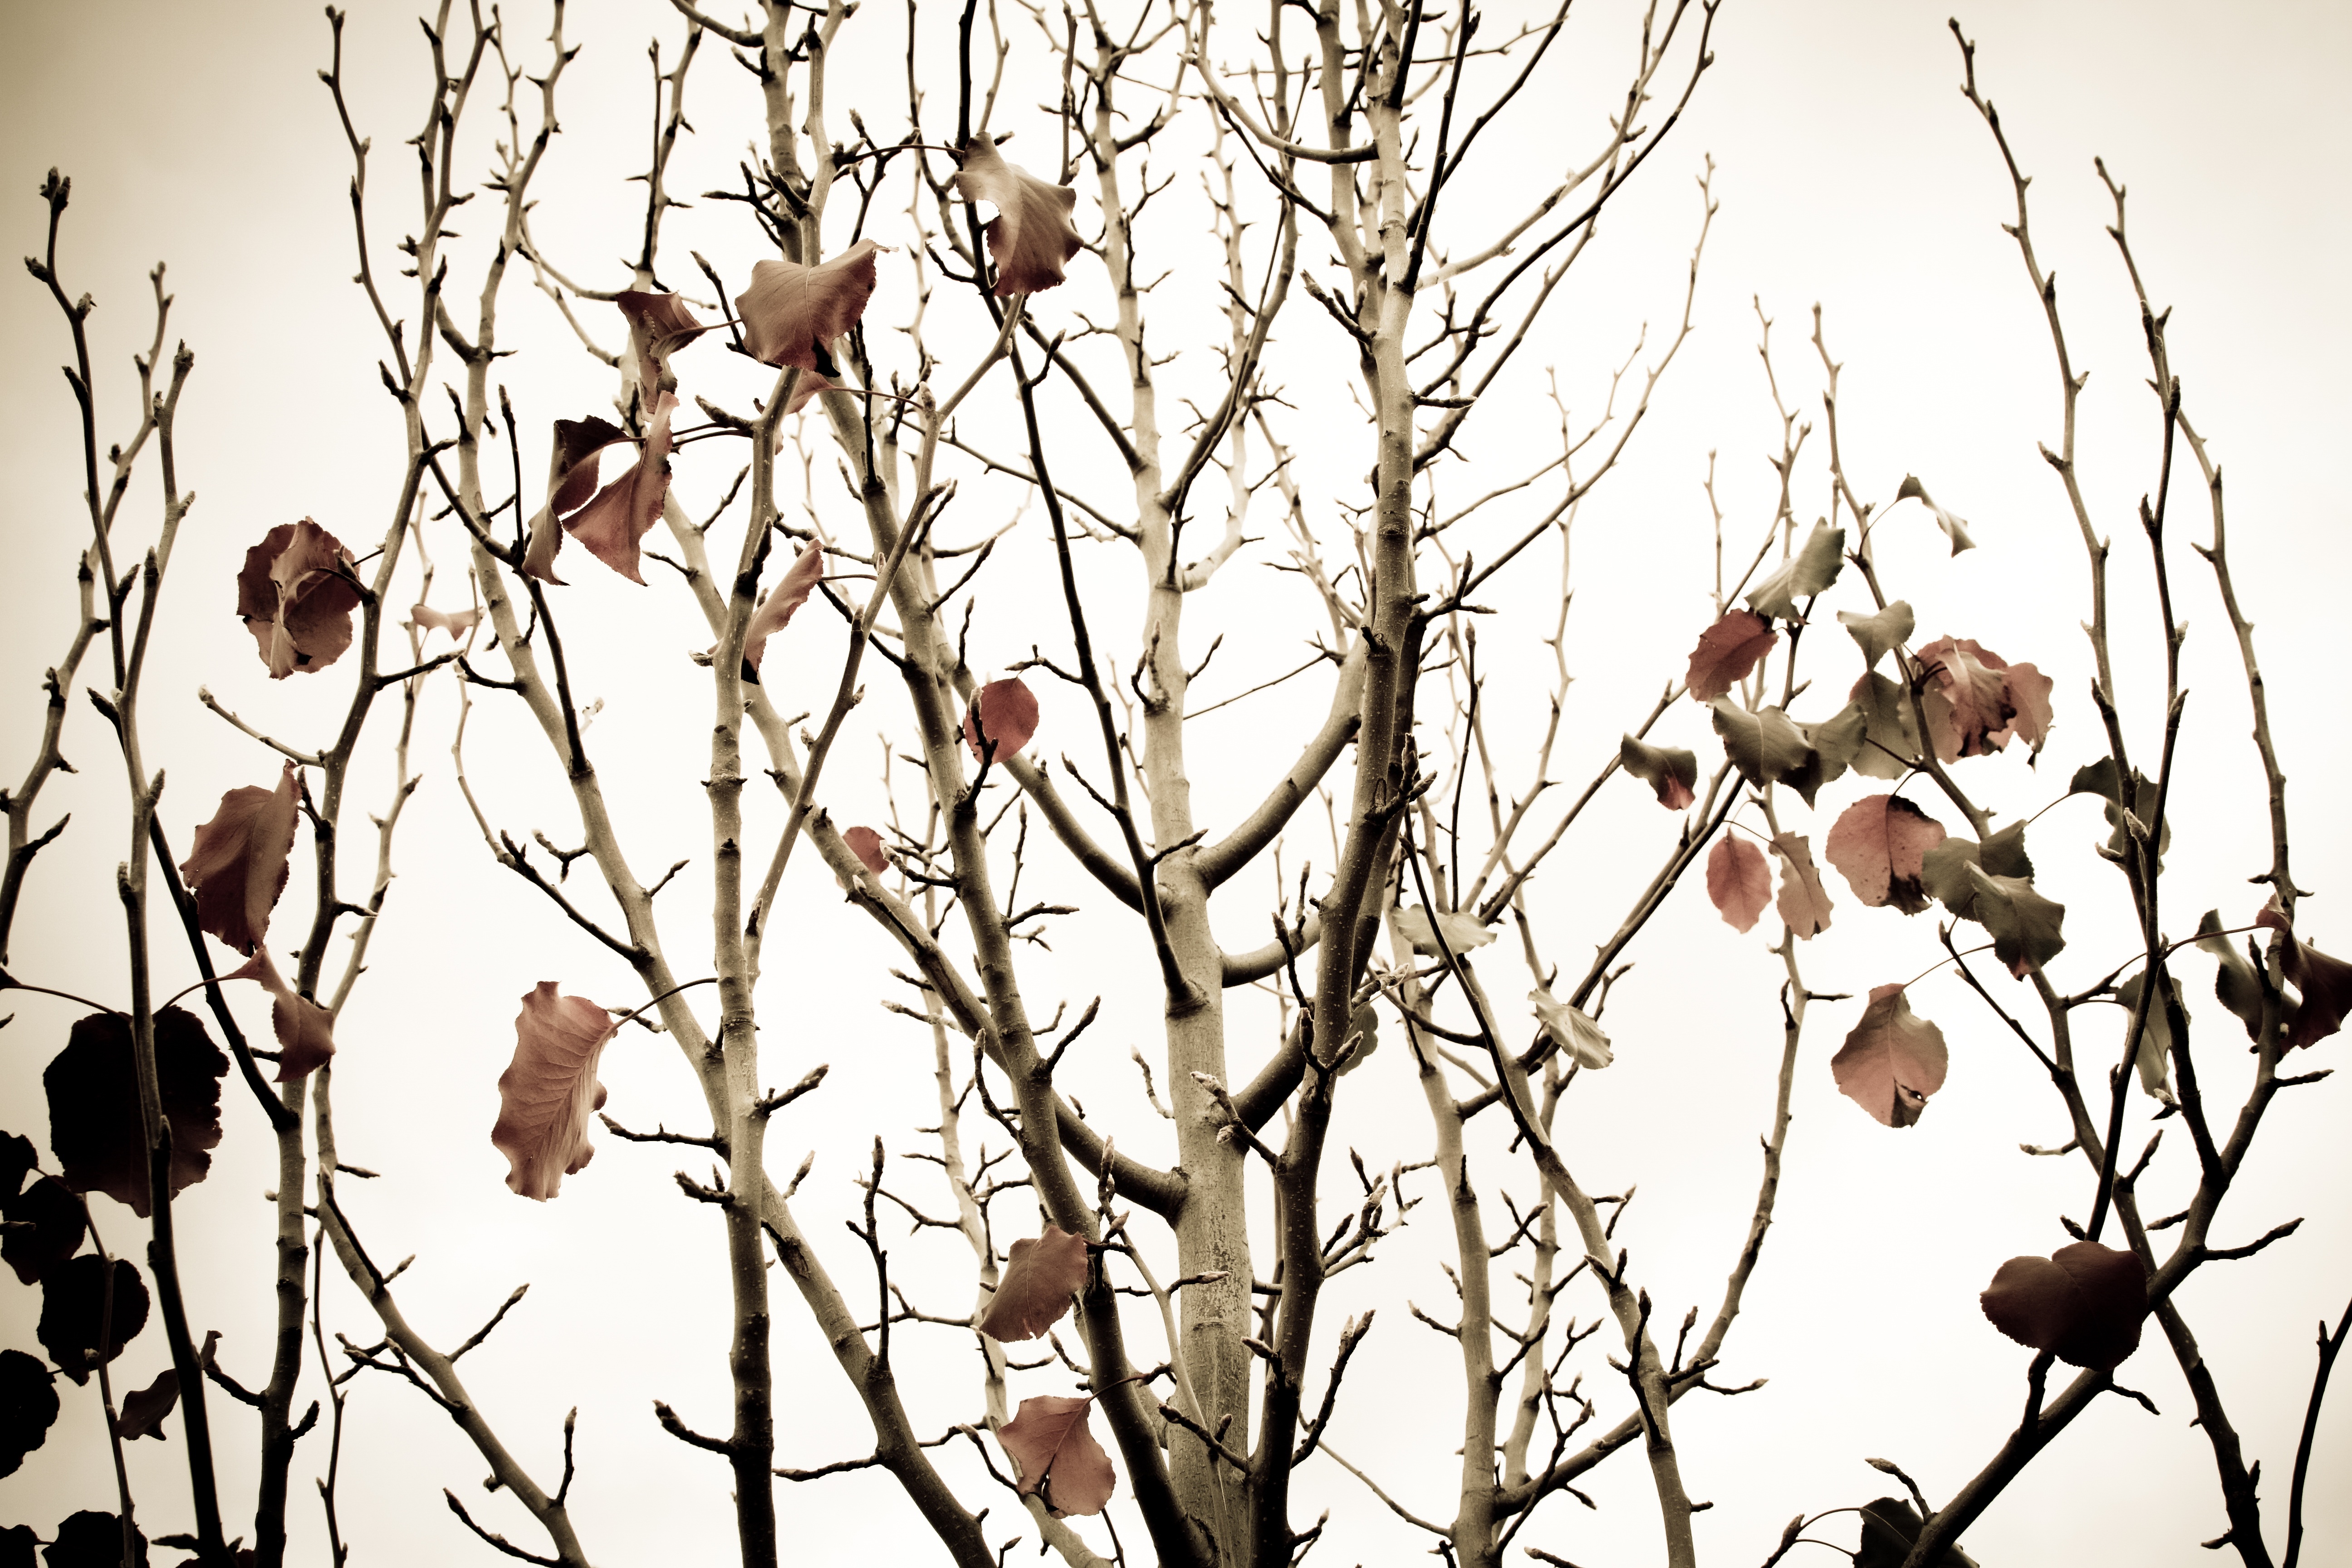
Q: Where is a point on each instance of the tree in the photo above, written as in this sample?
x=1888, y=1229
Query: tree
x=1036, y=734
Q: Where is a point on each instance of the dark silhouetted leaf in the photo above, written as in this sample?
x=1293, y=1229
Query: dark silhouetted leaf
x=1804, y=903
x=28, y=1407
x=1892, y=1061
x=2235, y=984
x=143, y=1409
x=1040, y=1279
x=1802, y=576
x=1738, y=882
x=305, y=1030
x=625, y=510
x=1057, y=1454
x=775, y=613
x=235, y=868
x=94, y=1123
x=549, y=1090
x=1889, y=1529
x=18, y=1544
x=72, y=1305
x=295, y=596
x=1878, y=633
x=53, y=1221
x=1669, y=771
x=2325, y=983
x=1460, y=928
x=93, y=1540
x=16, y=1161
x=572, y=464
x=1572, y=1031
x=2024, y=924
x=866, y=845
x=1032, y=238
x=1006, y=712
x=1879, y=845
x=1954, y=530
x=1767, y=747
x=792, y=313
x=1890, y=741
x=1727, y=651
x=2083, y=1302
x=2155, y=1058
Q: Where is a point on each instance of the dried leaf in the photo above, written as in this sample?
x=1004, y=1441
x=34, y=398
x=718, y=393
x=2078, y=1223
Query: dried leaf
x=93, y=1089
x=48, y=1222
x=1804, y=903
x=548, y=1091
x=306, y=1031
x=432, y=620
x=2085, y=1302
x=143, y=1409
x=2155, y=1058
x=1005, y=713
x=1809, y=572
x=625, y=510
x=295, y=596
x=1876, y=634
x=866, y=845
x=792, y=313
x=775, y=612
x=28, y=1407
x=2325, y=983
x=2024, y=924
x=1892, y=1061
x=1051, y=1445
x=1768, y=748
x=571, y=463
x=1727, y=651
x=1878, y=845
x=1571, y=1030
x=73, y=1311
x=1031, y=239
x=1461, y=927
x=1954, y=529
x=235, y=868
x=1975, y=700
x=1890, y=741
x=1668, y=770
x=1738, y=882
x=1040, y=1279
x=660, y=325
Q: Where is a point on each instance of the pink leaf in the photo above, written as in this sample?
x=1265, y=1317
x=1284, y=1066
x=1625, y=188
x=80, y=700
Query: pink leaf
x=776, y=612
x=1727, y=651
x=432, y=620
x=1739, y=882
x=236, y=869
x=571, y=482
x=1892, y=1061
x=546, y=1093
x=1879, y=845
x=1039, y=1280
x=2325, y=983
x=625, y=510
x=791, y=312
x=296, y=597
x=660, y=324
x=1058, y=1459
x=1976, y=700
x=2085, y=1302
x=866, y=845
x=1005, y=712
x=1032, y=238
x=1804, y=903
x=305, y=1031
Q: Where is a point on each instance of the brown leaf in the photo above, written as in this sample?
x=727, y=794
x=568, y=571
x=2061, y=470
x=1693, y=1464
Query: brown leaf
x=1005, y=712
x=143, y=1409
x=1032, y=238
x=305, y=1031
x=1727, y=651
x=791, y=312
x=548, y=1091
x=1669, y=771
x=1878, y=845
x=866, y=845
x=1050, y=1444
x=1804, y=903
x=1892, y=1061
x=572, y=466
x=1039, y=1280
x=660, y=325
x=94, y=1122
x=625, y=510
x=296, y=597
x=74, y=1310
x=2085, y=1302
x=1976, y=700
x=432, y=620
x=28, y=1407
x=2325, y=983
x=1739, y=882
x=235, y=868
x=775, y=613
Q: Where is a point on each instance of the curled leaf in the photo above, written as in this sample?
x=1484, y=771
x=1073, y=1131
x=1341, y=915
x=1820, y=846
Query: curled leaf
x=571, y=463
x=1807, y=572
x=2235, y=986
x=1878, y=845
x=74, y=1316
x=28, y=1407
x=1954, y=529
x=295, y=596
x=1571, y=1030
x=94, y=1121
x=2024, y=924
x=305, y=1031
x=1944, y=869
x=1738, y=882
x=548, y=1091
x=2155, y=1058
x=625, y=510
x=143, y=1409
x=1975, y=700
x=1670, y=772
x=660, y=325
x=1031, y=239
x=1804, y=903
x=1050, y=1444
x=775, y=612
x=792, y=313
x=1892, y=1061
x=1003, y=714
x=2325, y=983
x=2085, y=1302
x=432, y=620
x=1462, y=929
x=235, y=868
x=1040, y=1278
x=866, y=845
x=1878, y=633
x=1727, y=651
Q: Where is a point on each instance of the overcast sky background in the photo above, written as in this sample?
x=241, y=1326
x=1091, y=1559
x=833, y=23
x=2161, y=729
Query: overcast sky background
x=1848, y=172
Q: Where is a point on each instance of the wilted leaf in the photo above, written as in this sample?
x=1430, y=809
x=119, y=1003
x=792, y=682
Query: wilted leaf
x=660, y=325
x=1668, y=770
x=235, y=868
x=2325, y=983
x=1572, y=1031
x=72, y=1307
x=28, y=1407
x=94, y=1540
x=2155, y=1058
x=1890, y=734
x=295, y=596
x=775, y=612
x=1878, y=845
x=1802, y=576
x=306, y=1031
x=548, y=1091
x=93, y=1088
x=2024, y=924
x=2235, y=984
x=1878, y=633
x=1975, y=700
x=1767, y=748
x=52, y=1222
x=2085, y=1302
x=572, y=464
x=432, y=620
x=143, y=1409
x=1738, y=882
x=625, y=510
x=1005, y=712
x=1050, y=1444
x=1804, y=903
x=1040, y=1278
x=1892, y=1061
x=1032, y=238
x=1460, y=928
x=792, y=313
x=1727, y=651
x=1953, y=528
x=866, y=845
x=2099, y=779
